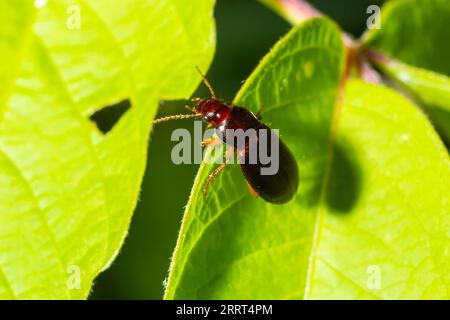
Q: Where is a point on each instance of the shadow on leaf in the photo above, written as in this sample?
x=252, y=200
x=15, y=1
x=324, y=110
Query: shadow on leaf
x=441, y=122
x=345, y=181
x=107, y=117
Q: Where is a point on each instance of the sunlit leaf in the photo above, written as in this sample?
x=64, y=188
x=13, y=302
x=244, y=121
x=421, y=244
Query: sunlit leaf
x=370, y=219
x=429, y=88
x=68, y=191
x=415, y=32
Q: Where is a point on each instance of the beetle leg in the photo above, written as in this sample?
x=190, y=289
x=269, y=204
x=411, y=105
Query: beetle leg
x=252, y=191
x=212, y=176
x=241, y=154
x=229, y=154
x=210, y=142
x=216, y=172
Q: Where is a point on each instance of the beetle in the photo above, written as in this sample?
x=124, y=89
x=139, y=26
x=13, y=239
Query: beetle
x=276, y=188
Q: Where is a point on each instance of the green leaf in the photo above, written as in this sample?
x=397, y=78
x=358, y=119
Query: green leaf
x=68, y=191
x=16, y=19
x=227, y=240
x=415, y=32
x=429, y=88
x=370, y=219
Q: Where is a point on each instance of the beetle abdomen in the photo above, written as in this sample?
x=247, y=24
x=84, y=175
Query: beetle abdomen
x=279, y=187
x=275, y=186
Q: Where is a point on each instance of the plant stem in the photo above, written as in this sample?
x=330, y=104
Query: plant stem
x=369, y=74
x=298, y=10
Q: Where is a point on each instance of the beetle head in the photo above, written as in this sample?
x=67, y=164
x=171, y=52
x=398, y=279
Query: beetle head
x=213, y=110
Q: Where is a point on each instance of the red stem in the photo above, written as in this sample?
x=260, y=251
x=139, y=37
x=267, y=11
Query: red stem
x=300, y=10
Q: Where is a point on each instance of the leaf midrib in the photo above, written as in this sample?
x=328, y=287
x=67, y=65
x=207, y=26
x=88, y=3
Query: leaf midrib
x=321, y=205
x=40, y=214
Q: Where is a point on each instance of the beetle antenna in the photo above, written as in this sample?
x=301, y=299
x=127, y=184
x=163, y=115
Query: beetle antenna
x=190, y=108
x=206, y=82
x=176, y=117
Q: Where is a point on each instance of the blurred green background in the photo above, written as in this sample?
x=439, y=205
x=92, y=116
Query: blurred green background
x=246, y=31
